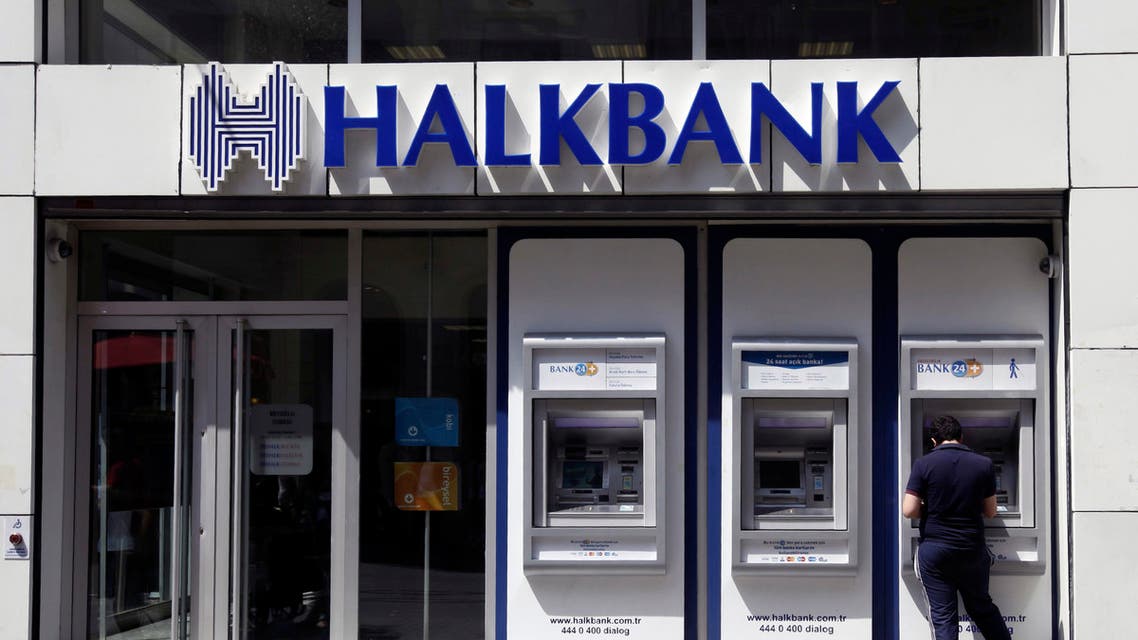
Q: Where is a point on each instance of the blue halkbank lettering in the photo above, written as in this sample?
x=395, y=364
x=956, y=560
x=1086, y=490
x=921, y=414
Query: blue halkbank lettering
x=559, y=125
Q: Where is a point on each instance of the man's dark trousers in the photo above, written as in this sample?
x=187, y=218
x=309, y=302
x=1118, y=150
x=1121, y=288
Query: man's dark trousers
x=944, y=571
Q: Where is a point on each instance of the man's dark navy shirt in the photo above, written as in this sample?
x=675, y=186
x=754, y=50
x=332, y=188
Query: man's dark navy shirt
x=953, y=481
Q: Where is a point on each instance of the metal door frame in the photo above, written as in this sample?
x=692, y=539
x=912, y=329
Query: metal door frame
x=212, y=473
x=204, y=453
x=343, y=598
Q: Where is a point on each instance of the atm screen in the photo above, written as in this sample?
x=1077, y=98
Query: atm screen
x=780, y=474
x=583, y=474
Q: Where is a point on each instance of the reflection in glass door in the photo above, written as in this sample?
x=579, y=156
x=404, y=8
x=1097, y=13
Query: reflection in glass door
x=140, y=383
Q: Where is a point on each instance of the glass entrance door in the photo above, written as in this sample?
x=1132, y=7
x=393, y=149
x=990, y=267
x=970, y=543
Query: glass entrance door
x=205, y=463
x=142, y=396
x=285, y=381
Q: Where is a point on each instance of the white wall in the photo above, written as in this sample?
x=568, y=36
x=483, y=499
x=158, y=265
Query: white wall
x=993, y=123
x=20, y=33
x=17, y=375
x=17, y=128
x=787, y=288
x=1103, y=47
x=108, y=130
x=1103, y=375
x=609, y=285
x=1101, y=26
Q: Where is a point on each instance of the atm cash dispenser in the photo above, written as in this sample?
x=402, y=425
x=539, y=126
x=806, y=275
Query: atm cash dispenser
x=996, y=388
x=592, y=451
x=594, y=416
x=796, y=444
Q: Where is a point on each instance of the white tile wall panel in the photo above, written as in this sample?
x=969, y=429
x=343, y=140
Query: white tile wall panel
x=16, y=605
x=16, y=376
x=1104, y=442
x=993, y=123
x=1102, y=26
x=20, y=30
x=1103, y=588
x=897, y=117
x=436, y=172
x=1103, y=137
x=702, y=170
x=17, y=287
x=246, y=178
x=523, y=127
x=107, y=130
x=17, y=129
x=1103, y=305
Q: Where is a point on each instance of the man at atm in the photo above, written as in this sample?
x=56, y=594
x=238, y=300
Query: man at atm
x=952, y=490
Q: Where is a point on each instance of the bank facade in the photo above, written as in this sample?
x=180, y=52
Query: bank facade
x=558, y=320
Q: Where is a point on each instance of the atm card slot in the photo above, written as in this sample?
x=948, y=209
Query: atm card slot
x=569, y=502
x=602, y=509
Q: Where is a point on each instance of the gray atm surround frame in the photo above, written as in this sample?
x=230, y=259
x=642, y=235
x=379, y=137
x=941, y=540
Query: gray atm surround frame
x=811, y=528
x=1031, y=522
x=652, y=527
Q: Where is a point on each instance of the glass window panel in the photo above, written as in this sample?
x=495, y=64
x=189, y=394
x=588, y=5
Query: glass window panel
x=469, y=30
x=424, y=333
x=213, y=265
x=787, y=29
x=234, y=31
x=132, y=487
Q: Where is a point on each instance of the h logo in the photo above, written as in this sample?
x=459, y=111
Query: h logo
x=271, y=127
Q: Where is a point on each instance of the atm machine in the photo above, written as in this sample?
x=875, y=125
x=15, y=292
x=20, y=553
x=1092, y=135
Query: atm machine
x=996, y=387
x=797, y=453
x=594, y=416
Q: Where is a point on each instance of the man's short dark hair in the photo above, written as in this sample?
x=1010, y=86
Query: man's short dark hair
x=946, y=428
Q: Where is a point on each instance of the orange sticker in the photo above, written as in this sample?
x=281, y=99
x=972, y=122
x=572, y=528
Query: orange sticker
x=426, y=486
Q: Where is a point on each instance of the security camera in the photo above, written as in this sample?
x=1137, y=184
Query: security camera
x=1050, y=266
x=59, y=249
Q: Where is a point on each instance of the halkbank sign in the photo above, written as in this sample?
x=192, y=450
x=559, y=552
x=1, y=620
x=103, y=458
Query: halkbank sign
x=603, y=123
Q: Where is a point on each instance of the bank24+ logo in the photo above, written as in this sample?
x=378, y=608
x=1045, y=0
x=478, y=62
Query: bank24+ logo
x=586, y=369
x=970, y=368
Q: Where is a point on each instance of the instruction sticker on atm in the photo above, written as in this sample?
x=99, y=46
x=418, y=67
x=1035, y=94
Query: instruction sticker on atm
x=792, y=551
x=828, y=370
x=426, y=422
x=426, y=486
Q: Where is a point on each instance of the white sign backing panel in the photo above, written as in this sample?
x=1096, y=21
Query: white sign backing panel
x=594, y=369
x=796, y=369
x=973, y=369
